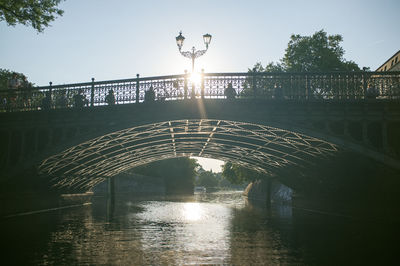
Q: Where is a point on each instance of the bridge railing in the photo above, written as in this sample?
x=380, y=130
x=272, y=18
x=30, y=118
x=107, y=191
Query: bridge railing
x=279, y=86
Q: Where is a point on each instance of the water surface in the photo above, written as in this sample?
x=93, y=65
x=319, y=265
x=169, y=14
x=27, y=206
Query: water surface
x=212, y=228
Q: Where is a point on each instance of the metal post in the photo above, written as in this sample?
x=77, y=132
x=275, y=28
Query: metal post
x=185, y=86
x=92, y=94
x=202, y=83
x=137, y=88
x=254, y=85
x=50, y=89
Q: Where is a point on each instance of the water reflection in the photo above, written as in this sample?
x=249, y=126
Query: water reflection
x=217, y=228
x=192, y=211
x=184, y=232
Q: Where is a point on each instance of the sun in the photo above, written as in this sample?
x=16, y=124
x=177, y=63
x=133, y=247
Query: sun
x=195, y=78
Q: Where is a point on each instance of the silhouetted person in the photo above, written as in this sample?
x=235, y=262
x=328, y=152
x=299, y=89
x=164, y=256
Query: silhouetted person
x=46, y=101
x=278, y=92
x=27, y=93
x=110, y=98
x=230, y=92
x=150, y=95
x=79, y=99
x=372, y=92
x=62, y=101
x=14, y=82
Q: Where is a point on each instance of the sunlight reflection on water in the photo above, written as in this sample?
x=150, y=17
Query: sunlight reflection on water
x=210, y=228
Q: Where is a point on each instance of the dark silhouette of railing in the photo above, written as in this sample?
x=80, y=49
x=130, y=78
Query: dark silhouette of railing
x=282, y=86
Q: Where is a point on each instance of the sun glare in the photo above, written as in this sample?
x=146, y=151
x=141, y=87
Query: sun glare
x=192, y=211
x=195, y=78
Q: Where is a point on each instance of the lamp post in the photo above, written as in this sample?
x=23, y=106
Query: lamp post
x=192, y=54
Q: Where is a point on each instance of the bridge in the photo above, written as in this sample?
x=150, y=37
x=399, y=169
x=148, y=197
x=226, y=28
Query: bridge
x=322, y=134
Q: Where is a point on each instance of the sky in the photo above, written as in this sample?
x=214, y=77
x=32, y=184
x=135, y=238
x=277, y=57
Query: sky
x=110, y=40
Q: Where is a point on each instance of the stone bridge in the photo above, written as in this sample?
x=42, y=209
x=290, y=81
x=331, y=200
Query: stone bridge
x=317, y=146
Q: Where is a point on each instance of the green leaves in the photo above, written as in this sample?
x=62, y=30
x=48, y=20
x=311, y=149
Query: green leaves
x=35, y=13
x=319, y=52
x=6, y=76
x=237, y=174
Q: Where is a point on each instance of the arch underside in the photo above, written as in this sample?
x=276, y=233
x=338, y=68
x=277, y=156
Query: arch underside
x=262, y=148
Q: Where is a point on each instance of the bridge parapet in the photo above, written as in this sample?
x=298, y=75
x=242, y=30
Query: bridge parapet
x=364, y=126
x=278, y=86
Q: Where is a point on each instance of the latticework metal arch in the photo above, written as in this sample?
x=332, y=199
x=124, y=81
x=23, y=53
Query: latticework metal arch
x=259, y=147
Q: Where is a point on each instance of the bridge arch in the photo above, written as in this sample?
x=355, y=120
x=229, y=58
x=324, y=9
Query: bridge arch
x=279, y=138
x=259, y=147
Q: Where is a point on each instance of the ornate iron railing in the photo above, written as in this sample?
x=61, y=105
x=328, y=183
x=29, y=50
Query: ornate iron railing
x=279, y=86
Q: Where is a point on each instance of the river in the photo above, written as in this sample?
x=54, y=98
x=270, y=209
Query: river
x=209, y=228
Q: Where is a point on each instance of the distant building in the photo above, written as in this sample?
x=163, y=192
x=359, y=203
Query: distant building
x=392, y=64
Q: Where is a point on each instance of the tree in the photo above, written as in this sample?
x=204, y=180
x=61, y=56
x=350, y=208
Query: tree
x=207, y=179
x=237, y=174
x=179, y=173
x=6, y=76
x=265, y=87
x=35, y=13
x=317, y=53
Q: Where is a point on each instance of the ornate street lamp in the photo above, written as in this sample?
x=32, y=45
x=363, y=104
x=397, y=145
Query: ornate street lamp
x=192, y=54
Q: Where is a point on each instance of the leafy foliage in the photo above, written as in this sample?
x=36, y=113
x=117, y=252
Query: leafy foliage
x=35, y=13
x=6, y=76
x=319, y=52
x=179, y=173
x=207, y=179
x=237, y=174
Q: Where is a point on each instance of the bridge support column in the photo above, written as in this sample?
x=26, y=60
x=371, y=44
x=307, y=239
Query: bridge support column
x=111, y=199
x=49, y=137
x=365, y=132
x=111, y=188
x=8, y=151
x=346, y=128
x=22, y=148
x=35, y=140
x=268, y=193
x=385, y=145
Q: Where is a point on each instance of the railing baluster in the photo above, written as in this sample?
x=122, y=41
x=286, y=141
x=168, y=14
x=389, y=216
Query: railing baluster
x=202, y=84
x=323, y=86
x=92, y=94
x=185, y=86
x=137, y=88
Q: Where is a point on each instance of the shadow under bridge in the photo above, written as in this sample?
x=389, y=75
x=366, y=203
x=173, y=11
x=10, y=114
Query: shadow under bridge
x=259, y=147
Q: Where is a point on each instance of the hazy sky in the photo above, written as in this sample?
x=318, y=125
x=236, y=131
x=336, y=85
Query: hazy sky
x=118, y=39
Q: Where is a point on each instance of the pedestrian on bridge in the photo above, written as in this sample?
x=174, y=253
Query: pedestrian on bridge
x=110, y=98
x=46, y=101
x=80, y=99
